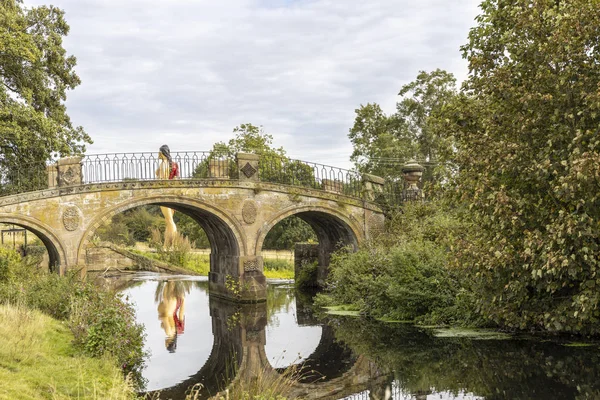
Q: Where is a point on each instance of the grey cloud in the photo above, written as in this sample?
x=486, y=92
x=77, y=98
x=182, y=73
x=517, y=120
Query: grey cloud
x=187, y=72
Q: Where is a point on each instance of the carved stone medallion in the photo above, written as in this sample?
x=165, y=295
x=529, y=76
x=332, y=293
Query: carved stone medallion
x=249, y=212
x=71, y=218
x=248, y=170
x=250, y=265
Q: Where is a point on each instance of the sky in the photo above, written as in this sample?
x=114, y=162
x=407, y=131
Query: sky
x=186, y=72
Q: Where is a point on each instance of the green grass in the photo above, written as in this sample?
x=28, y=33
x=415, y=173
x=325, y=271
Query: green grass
x=200, y=263
x=278, y=269
x=37, y=361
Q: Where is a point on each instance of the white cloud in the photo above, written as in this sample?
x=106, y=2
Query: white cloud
x=186, y=72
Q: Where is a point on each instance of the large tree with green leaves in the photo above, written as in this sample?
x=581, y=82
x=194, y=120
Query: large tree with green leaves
x=35, y=74
x=528, y=147
x=382, y=143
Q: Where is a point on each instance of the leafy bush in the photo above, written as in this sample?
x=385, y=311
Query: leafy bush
x=527, y=150
x=404, y=274
x=178, y=254
x=102, y=321
x=115, y=232
x=307, y=276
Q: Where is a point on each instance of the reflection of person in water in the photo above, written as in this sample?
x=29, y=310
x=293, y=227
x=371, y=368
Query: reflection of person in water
x=170, y=296
x=167, y=169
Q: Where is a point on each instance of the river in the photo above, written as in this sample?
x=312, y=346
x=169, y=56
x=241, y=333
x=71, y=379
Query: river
x=194, y=338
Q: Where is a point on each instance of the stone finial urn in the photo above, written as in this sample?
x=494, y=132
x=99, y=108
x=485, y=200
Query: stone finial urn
x=412, y=172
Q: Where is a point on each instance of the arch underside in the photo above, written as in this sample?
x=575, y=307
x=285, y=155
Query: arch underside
x=224, y=237
x=332, y=234
x=55, y=250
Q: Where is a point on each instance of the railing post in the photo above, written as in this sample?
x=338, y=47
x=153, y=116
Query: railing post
x=66, y=172
x=247, y=166
x=372, y=186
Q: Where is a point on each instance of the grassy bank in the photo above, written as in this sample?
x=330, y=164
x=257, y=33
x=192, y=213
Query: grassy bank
x=38, y=361
x=275, y=268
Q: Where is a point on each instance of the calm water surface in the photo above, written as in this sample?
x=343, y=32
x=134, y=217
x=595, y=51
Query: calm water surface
x=193, y=338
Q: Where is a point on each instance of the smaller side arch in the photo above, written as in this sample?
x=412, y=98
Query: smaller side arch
x=333, y=230
x=55, y=248
x=351, y=223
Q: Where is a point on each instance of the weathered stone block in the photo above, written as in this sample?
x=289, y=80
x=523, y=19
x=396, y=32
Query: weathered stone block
x=69, y=171
x=248, y=166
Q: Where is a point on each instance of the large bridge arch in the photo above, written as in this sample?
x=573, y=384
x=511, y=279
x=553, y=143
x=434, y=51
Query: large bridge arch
x=56, y=250
x=333, y=228
x=226, y=236
x=220, y=228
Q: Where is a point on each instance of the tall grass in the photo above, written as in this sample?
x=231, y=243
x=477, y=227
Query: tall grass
x=37, y=361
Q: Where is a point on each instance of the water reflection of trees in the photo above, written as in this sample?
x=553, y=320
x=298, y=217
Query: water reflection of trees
x=496, y=369
x=279, y=298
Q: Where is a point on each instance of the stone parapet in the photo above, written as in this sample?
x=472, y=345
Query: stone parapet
x=373, y=186
x=65, y=172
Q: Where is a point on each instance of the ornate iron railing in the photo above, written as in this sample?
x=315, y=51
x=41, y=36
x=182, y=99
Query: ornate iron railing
x=117, y=167
x=312, y=175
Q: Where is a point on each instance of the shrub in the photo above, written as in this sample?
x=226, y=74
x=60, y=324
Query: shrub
x=178, y=254
x=404, y=274
x=307, y=276
x=102, y=321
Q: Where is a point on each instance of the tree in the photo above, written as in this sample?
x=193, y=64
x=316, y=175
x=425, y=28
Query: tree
x=383, y=143
x=287, y=233
x=528, y=147
x=35, y=74
x=274, y=166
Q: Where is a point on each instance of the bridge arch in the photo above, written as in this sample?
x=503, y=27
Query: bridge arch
x=333, y=228
x=226, y=237
x=55, y=248
x=328, y=223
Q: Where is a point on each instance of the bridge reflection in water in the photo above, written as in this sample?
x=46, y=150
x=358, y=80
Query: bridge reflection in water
x=239, y=357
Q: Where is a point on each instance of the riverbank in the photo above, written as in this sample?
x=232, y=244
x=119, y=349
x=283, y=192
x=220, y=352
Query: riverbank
x=39, y=361
x=198, y=262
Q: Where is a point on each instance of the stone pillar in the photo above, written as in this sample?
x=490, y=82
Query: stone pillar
x=305, y=255
x=412, y=172
x=237, y=278
x=66, y=172
x=373, y=186
x=248, y=166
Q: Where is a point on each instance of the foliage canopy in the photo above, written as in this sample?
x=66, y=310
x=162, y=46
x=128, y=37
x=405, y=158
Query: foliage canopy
x=528, y=148
x=35, y=75
x=382, y=143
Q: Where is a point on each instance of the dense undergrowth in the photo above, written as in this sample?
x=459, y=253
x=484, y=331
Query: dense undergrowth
x=404, y=274
x=102, y=322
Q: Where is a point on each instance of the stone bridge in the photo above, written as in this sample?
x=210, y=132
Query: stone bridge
x=236, y=202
